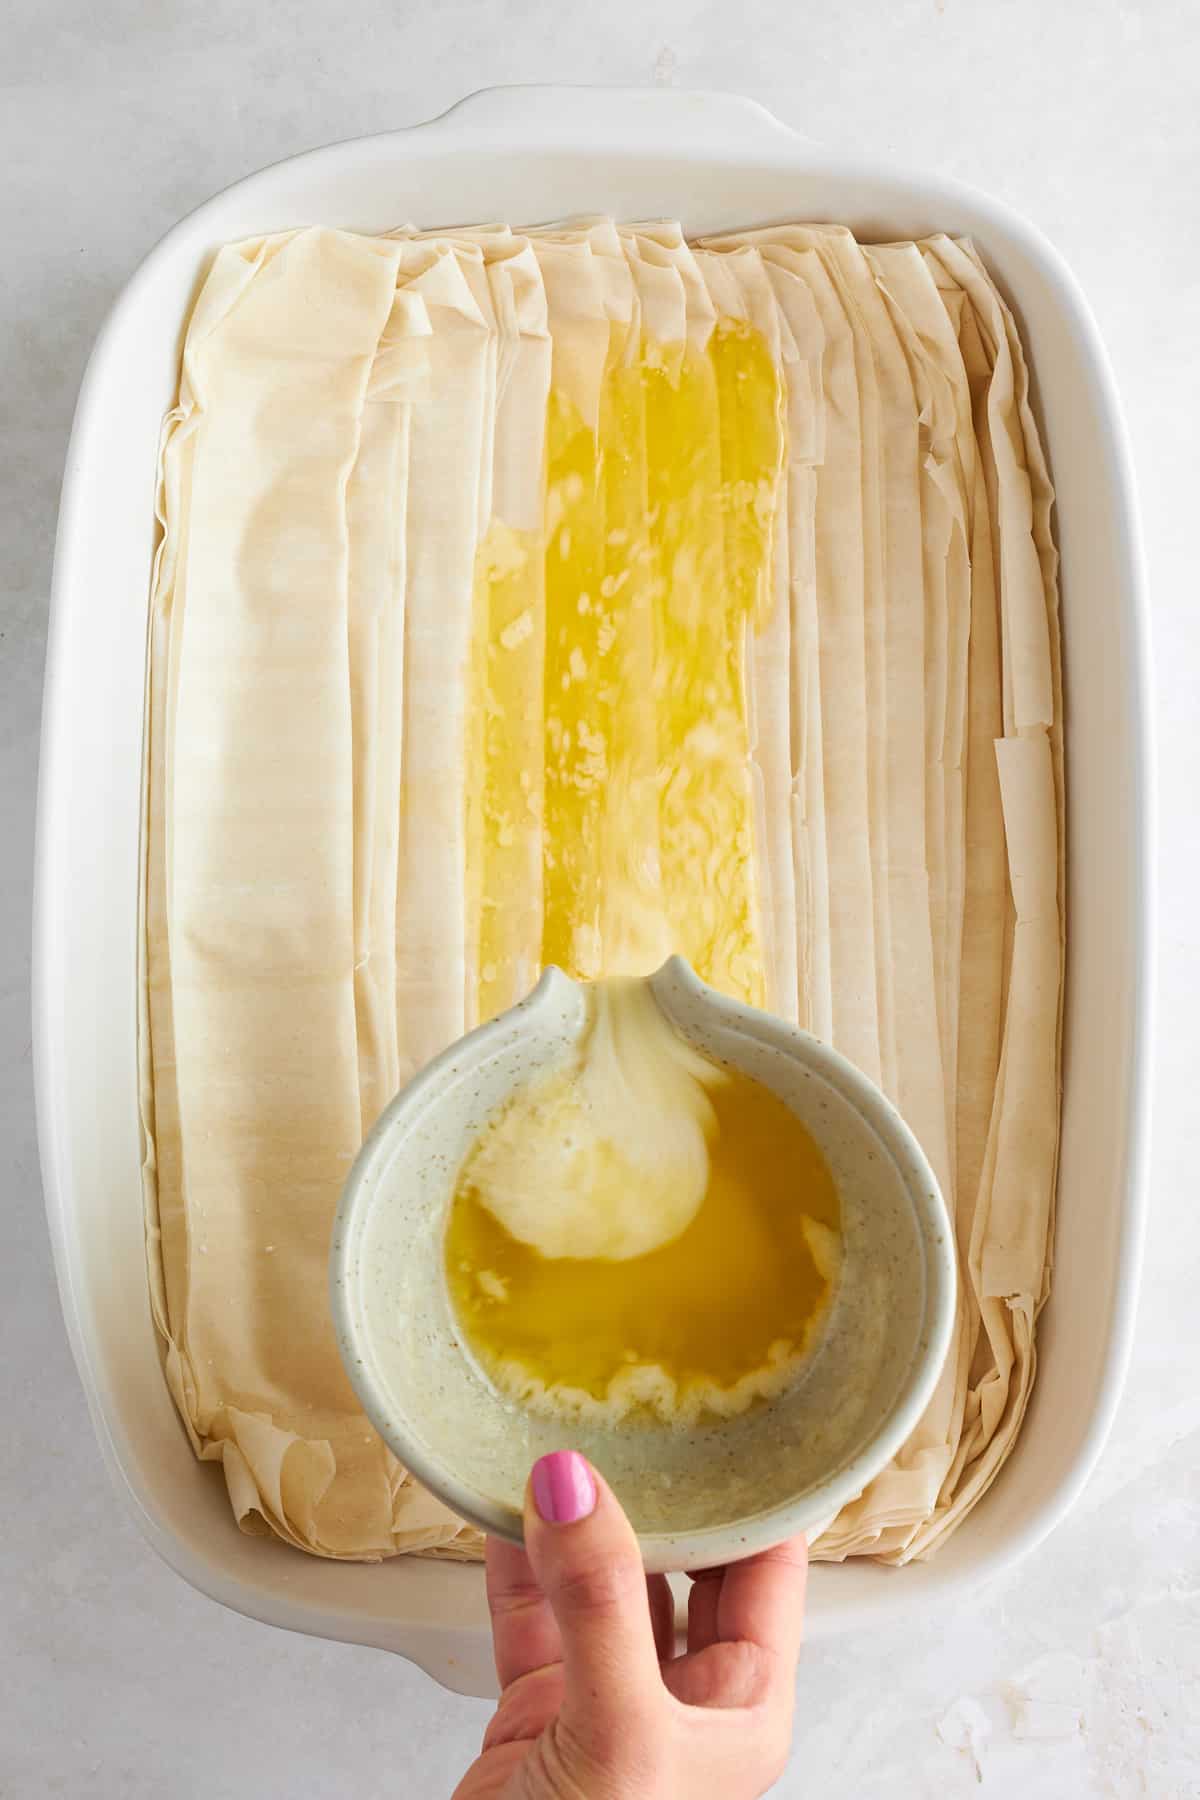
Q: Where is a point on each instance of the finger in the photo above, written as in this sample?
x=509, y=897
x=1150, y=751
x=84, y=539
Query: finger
x=524, y=1635
x=662, y=1615
x=762, y=1601
x=724, y=1678
x=526, y=1707
x=584, y=1553
x=702, y=1609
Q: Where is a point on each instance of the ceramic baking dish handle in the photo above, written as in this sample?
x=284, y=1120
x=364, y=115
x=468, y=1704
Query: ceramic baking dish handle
x=619, y=117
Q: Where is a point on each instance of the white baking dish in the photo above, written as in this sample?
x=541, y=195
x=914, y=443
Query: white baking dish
x=526, y=155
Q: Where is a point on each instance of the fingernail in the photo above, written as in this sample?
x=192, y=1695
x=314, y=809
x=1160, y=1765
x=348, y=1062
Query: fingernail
x=564, y=1488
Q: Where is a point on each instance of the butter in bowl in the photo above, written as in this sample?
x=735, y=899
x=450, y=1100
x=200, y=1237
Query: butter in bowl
x=657, y=1224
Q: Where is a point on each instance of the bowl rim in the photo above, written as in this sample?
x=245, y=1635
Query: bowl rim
x=740, y=1536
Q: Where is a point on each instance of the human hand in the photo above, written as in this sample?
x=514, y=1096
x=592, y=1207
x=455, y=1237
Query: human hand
x=594, y=1703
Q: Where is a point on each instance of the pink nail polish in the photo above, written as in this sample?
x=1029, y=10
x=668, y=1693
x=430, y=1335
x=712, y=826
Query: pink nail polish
x=564, y=1489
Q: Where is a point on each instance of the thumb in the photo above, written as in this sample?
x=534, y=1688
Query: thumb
x=588, y=1565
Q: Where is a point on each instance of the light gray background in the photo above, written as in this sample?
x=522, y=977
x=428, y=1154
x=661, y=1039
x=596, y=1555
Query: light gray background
x=116, y=118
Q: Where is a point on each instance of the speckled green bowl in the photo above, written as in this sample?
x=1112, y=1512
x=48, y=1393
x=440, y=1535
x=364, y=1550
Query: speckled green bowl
x=697, y=1496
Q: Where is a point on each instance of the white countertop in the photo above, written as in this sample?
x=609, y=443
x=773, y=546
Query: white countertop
x=1076, y=1676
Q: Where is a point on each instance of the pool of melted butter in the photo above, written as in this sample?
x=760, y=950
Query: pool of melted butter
x=717, y=1317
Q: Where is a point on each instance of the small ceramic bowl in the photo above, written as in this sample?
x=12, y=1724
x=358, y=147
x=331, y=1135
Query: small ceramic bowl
x=697, y=1495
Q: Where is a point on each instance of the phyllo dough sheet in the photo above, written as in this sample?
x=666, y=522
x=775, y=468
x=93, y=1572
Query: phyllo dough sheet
x=579, y=595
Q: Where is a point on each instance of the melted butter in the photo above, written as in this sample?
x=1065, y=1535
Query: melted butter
x=657, y=562
x=504, y=768
x=676, y=1267
x=715, y=446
